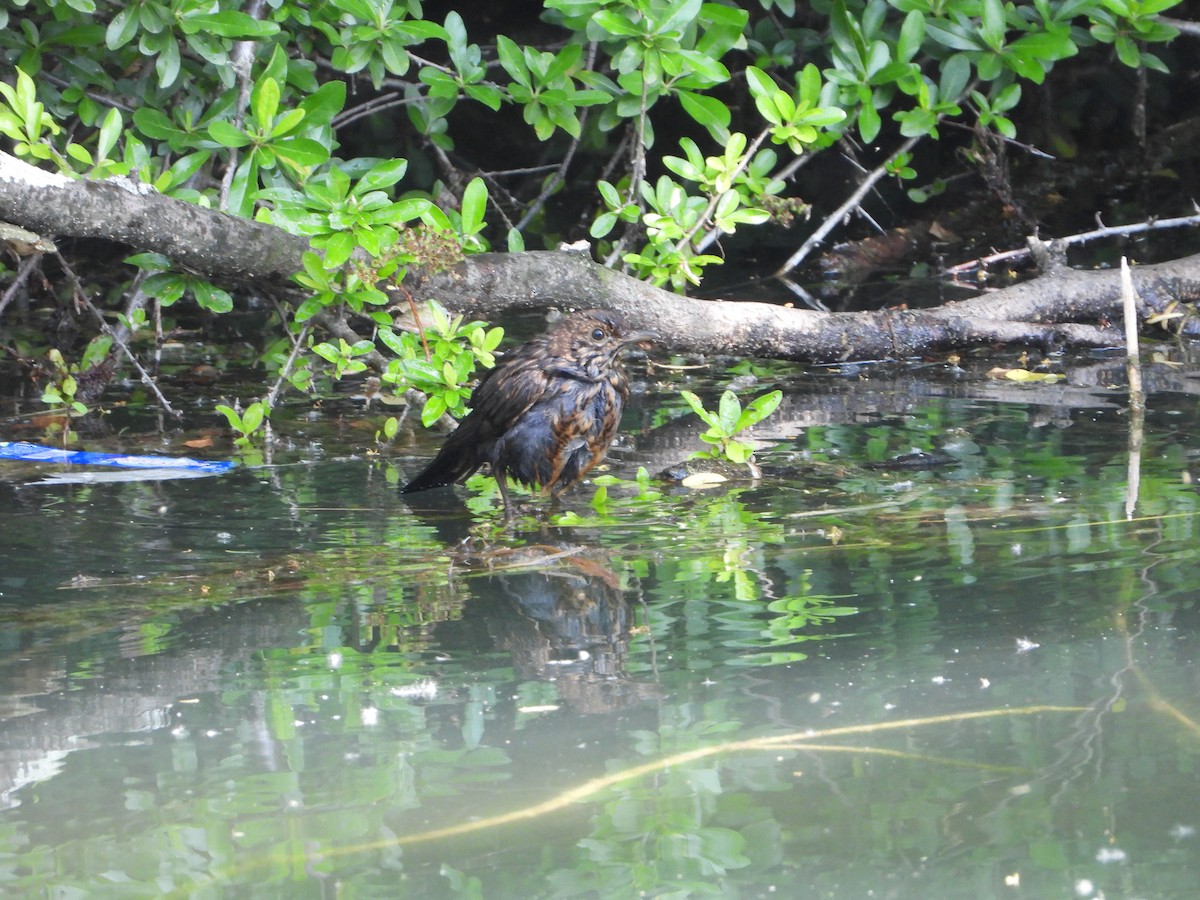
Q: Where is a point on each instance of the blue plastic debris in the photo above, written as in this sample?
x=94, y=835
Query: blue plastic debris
x=37, y=453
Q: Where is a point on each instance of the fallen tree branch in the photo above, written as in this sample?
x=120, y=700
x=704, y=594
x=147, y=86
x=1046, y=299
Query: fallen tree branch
x=125, y=211
x=1064, y=308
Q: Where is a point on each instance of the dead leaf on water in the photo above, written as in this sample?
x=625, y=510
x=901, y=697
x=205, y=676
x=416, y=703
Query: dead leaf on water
x=703, y=480
x=1024, y=376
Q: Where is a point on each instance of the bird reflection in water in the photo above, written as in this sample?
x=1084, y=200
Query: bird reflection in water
x=565, y=618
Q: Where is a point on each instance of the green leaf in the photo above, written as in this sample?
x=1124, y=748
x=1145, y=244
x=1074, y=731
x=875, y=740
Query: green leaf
x=1045, y=46
x=992, y=26
x=730, y=409
x=434, y=409
x=956, y=72
x=309, y=308
x=912, y=34
x=758, y=409
x=412, y=208
x=784, y=105
x=80, y=153
x=698, y=408
x=683, y=168
x=747, y=215
x=680, y=14
x=338, y=249
x=513, y=61
x=183, y=169
x=301, y=152
x=155, y=124
x=1150, y=61
x=122, y=28
x=241, y=189
x=265, y=101
x=605, y=222
x=287, y=121
x=327, y=352
x=868, y=123
x=707, y=111
x=323, y=104
x=564, y=61
x=615, y=24
x=152, y=262
x=96, y=352
x=474, y=206
x=759, y=82
x=485, y=94
x=253, y=417
x=167, y=64
x=1007, y=98
x=609, y=194
x=231, y=416
x=212, y=298
x=166, y=287
x=382, y=175
x=225, y=134
x=951, y=38
x=600, y=498
x=109, y=132
x=230, y=24
x=738, y=451
x=1127, y=52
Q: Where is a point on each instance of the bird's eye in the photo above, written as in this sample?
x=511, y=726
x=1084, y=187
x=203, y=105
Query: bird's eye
x=597, y=334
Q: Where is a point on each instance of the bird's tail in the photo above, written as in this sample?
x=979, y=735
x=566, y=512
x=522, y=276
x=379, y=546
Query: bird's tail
x=446, y=468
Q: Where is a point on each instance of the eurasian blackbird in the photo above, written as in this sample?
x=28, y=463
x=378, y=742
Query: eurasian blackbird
x=546, y=413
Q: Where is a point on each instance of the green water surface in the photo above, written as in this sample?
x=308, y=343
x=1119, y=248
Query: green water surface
x=846, y=679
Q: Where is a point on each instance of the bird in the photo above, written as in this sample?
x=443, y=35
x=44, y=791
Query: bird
x=546, y=413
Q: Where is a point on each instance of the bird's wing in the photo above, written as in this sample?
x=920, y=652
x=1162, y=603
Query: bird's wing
x=507, y=392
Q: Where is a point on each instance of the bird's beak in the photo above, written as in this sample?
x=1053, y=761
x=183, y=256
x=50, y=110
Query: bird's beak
x=642, y=337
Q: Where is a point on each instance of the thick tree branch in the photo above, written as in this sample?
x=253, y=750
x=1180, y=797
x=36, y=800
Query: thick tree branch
x=489, y=284
x=1062, y=308
x=118, y=209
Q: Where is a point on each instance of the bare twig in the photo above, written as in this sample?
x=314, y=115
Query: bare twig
x=26, y=267
x=1192, y=29
x=242, y=60
x=1013, y=142
x=412, y=307
x=1104, y=231
x=555, y=180
x=1137, y=397
x=835, y=218
x=297, y=346
x=82, y=299
x=561, y=175
x=524, y=170
x=716, y=198
x=379, y=104
x=636, y=176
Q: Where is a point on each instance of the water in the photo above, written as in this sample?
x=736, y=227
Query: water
x=846, y=680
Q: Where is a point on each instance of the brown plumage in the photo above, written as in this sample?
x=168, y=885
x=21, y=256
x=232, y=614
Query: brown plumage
x=546, y=413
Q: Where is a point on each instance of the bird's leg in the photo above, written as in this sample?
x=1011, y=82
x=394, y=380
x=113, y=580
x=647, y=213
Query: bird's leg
x=502, y=482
